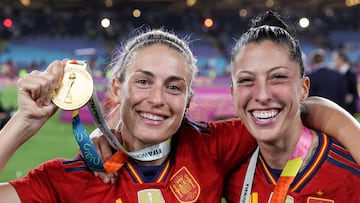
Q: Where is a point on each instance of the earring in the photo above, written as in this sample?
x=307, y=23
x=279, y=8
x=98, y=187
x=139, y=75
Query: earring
x=186, y=111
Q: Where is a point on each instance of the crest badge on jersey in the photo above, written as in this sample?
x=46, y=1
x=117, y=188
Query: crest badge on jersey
x=319, y=200
x=150, y=196
x=184, y=186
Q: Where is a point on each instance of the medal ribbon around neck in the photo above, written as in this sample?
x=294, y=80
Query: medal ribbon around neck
x=292, y=167
x=288, y=174
x=92, y=158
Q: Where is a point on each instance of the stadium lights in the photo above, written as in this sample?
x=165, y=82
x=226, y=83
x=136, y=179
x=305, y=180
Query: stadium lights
x=350, y=3
x=304, y=22
x=190, y=3
x=25, y=2
x=243, y=12
x=208, y=22
x=7, y=23
x=105, y=22
x=136, y=13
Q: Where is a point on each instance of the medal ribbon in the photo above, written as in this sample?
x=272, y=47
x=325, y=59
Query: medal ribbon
x=247, y=185
x=292, y=167
x=88, y=149
x=288, y=174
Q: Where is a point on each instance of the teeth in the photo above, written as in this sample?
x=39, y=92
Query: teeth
x=264, y=114
x=152, y=117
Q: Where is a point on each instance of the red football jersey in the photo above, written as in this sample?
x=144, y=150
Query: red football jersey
x=201, y=156
x=330, y=176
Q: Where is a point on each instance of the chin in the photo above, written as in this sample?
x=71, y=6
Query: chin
x=265, y=135
x=151, y=140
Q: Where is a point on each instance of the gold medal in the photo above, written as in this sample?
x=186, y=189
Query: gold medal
x=76, y=88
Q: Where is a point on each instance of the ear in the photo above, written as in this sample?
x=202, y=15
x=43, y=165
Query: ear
x=116, y=89
x=305, y=86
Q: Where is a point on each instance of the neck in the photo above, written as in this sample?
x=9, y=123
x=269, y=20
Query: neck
x=276, y=156
x=277, y=153
x=132, y=144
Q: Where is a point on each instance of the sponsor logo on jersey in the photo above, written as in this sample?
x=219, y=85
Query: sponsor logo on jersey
x=184, y=186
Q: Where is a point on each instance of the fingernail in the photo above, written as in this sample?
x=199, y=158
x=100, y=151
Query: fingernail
x=106, y=180
x=47, y=102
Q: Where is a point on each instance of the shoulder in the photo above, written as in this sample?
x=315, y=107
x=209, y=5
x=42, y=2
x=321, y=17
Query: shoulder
x=195, y=126
x=231, y=124
x=339, y=156
x=75, y=164
x=60, y=165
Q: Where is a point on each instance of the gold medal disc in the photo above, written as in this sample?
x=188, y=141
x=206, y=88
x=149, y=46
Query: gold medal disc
x=76, y=88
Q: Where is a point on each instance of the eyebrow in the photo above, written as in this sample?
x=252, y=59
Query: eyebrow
x=171, y=78
x=270, y=70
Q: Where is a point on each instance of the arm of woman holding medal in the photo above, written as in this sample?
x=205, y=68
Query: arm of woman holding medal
x=338, y=123
x=34, y=109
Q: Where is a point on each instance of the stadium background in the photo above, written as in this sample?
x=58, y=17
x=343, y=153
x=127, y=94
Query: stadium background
x=35, y=32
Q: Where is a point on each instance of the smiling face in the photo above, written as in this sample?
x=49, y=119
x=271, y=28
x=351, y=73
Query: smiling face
x=153, y=96
x=267, y=90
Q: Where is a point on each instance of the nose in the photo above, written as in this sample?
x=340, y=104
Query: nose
x=156, y=96
x=262, y=93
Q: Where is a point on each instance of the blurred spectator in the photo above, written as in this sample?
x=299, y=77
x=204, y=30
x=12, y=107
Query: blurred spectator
x=5, y=114
x=341, y=63
x=324, y=81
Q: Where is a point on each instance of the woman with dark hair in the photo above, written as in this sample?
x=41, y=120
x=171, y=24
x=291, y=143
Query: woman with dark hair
x=293, y=163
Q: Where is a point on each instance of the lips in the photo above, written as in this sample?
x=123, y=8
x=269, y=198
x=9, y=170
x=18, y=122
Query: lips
x=150, y=116
x=265, y=114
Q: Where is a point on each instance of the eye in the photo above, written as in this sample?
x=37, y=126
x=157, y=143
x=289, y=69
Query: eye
x=142, y=82
x=246, y=81
x=279, y=76
x=174, y=88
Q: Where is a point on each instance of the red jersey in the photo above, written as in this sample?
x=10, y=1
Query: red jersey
x=202, y=155
x=330, y=176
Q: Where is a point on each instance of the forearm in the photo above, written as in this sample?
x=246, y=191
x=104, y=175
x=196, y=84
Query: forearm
x=327, y=116
x=35, y=91
x=12, y=136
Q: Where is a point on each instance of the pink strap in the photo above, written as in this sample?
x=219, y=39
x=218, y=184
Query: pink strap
x=303, y=145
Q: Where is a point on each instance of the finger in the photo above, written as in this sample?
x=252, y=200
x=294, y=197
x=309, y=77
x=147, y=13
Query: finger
x=34, y=85
x=55, y=72
x=104, y=177
x=105, y=148
x=95, y=137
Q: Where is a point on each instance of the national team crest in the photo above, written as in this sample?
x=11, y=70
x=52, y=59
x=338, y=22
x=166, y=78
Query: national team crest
x=184, y=186
x=319, y=200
